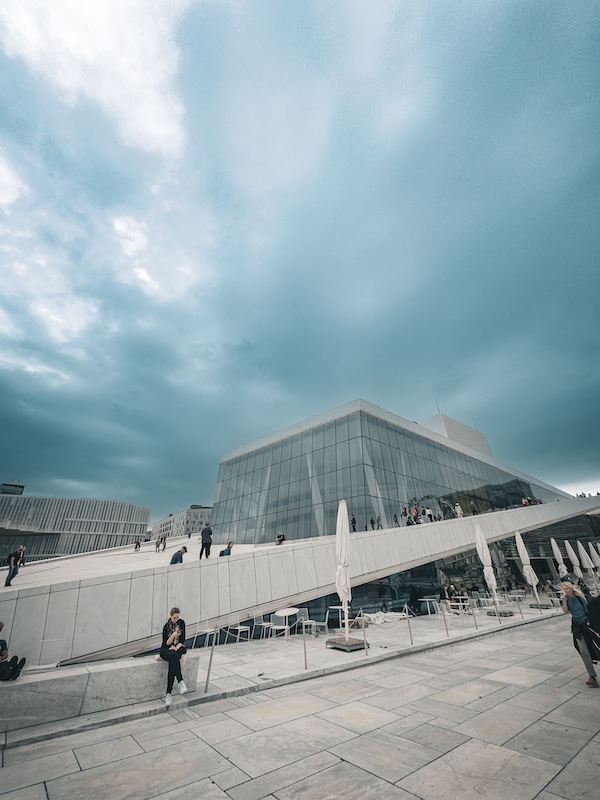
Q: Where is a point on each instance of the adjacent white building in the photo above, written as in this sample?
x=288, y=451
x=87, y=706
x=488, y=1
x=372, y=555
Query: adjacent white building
x=184, y=523
x=58, y=526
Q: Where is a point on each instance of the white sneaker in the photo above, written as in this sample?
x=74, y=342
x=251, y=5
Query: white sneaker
x=182, y=687
x=168, y=700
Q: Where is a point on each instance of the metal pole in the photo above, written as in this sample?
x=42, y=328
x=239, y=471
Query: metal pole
x=407, y=612
x=444, y=616
x=519, y=606
x=495, y=596
x=473, y=604
x=304, y=642
x=537, y=598
x=362, y=616
x=212, y=650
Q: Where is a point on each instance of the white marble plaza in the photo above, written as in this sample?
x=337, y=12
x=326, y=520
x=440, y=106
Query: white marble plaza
x=504, y=717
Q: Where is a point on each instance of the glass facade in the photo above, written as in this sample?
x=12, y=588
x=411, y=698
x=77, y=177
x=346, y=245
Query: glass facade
x=294, y=483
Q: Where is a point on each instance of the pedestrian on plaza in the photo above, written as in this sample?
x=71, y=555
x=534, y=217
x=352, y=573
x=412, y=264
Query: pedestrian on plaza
x=164, y=543
x=227, y=550
x=353, y=523
x=459, y=512
x=171, y=651
x=372, y=524
x=177, y=558
x=473, y=508
x=280, y=538
x=137, y=545
x=9, y=669
x=206, y=539
x=157, y=547
x=586, y=640
x=395, y=520
x=429, y=513
x=15, y=560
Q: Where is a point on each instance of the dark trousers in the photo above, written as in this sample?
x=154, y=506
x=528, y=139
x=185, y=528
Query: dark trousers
x=205, y=549
x=12, y=573
x=172, y=657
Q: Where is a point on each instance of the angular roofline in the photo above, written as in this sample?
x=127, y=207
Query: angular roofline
x=386, y=416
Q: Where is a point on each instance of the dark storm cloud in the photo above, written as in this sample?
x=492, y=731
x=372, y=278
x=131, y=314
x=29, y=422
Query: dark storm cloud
x=399, y=204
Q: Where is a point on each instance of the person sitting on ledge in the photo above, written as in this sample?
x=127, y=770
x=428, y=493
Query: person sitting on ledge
x=171, y=651
x=279, y=538
x=177, y=558
x=227, y=550
x=9, y=669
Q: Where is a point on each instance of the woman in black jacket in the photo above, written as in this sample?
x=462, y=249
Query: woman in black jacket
x=172, y=648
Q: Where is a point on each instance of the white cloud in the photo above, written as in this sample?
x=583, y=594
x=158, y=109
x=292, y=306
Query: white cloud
x=11, y=186
x=64, y=316
x=131, y=234
x=120, y=54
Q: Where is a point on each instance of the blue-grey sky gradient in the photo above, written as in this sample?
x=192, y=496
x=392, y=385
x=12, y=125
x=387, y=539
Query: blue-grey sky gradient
x=220, y=218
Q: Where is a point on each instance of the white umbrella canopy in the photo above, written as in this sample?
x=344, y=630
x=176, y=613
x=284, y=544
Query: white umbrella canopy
x=562, y=570
x=342, y=548
x=528, y=571
x=594, y=554
x=571, y=554
x=586, y=561
x=483, y=551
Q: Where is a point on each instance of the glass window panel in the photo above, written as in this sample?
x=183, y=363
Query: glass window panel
x=357, y=476
x=376, y=453
x=296, y=468
x=386, y=455
x=317, y=437
x=307, y=442
x=356, y=452
x=286, y=449
x=284, y=475
x=341, y=430
x=276, y=453
x=329, y=434
x=344, y=484
x=318, y=461
x=342, y=455
x=353, y=425
x=330, y=492
x=330, y=458
x=296, y=446
x=275, y=472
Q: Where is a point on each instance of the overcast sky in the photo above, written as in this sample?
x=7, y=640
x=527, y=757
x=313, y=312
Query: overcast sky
x=221, y=218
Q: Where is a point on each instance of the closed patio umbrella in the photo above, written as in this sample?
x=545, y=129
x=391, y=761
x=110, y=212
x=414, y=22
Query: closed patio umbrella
x=587, y=563
x=528, y=571
x=342, y=547
x=572, y=556
x=594, y=554
x=562, y=570
x=483, y=551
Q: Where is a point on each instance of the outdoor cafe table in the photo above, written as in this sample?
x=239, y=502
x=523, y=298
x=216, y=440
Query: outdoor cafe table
x=286, y=613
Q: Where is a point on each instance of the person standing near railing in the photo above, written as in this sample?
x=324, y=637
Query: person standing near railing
x=585, y=640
